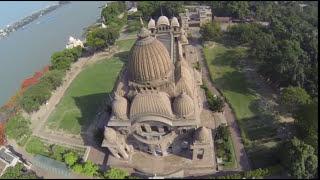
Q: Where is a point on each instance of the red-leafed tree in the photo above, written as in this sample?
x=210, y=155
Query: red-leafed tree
x=2, y=134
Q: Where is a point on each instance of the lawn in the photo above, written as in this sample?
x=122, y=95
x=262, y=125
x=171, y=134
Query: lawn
x=225, y=71
x=125, y=45
x=85, y=95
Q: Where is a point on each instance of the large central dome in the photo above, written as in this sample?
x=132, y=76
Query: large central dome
x=149, y=59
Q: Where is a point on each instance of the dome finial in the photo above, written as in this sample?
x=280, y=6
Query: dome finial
x=141, y=22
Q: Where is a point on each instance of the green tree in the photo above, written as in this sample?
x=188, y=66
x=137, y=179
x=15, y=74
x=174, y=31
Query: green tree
x=306, y=120
x=238, y=9
x=90, y=169
x=61, y=60
x=70, y=158
x=57, y=152
x=211, y=31
x=34, y=97
x=17, y=173
x=77, y=168
x=299, y=159
x=53, y=78
x=115, y=173
x=293, y=97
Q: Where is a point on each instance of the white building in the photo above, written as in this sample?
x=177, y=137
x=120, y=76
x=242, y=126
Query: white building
x=74, y=43
x=7, y=159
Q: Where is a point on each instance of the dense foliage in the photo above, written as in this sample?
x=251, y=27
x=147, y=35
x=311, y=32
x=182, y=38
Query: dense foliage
x=112, y=11
x=294, y=97
x=100, y=38
x=53, y=79
x=306, y=120
x=299, y=159
x=216, y=103
x=34, y=97
x=18, y=172
x=17, y=128
x=154, y=9
x=114, y=173
x=211, y=31
x=223, y=146
x=286, y=50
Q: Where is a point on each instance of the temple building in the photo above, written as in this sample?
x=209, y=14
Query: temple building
x=157, y=100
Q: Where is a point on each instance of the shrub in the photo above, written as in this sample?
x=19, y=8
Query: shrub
x=77, y=168
x=36, y=146
x=16, y=172
x=34, y=97
x=53, y=79
x=216, y=103
x=115, y=173
x=71, y=158
x=57, y=152
x=90, y=169
x=17, y=128
x=62, y=60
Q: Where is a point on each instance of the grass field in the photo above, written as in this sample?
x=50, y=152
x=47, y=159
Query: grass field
x=85, y=95
x=226, y=74
x=125, y=45
x=87, y=92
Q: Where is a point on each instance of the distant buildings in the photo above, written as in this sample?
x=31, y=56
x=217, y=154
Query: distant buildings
x=74, y=43
x=195, y=16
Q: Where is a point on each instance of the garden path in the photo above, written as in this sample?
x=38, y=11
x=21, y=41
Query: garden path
x=242, y=159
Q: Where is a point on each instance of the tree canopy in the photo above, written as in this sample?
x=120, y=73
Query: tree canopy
x=211, y=31
x=115, y=173
x=299, y=159
x=294, y=97
x=154, y=9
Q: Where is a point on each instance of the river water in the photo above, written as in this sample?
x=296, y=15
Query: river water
x=28, y=50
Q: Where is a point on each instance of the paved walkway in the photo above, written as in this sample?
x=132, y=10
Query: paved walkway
x=242, y=159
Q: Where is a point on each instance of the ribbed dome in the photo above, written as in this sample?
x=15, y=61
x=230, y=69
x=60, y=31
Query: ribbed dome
x=175, y=22
x=149, y=59
x=152, y=24
x=157, y=103
x=119, y=107
x=163, y=20
x=110, y=135
x=183, y=105
x=202, y=135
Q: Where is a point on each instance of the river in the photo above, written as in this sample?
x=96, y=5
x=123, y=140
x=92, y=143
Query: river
x=29, y=49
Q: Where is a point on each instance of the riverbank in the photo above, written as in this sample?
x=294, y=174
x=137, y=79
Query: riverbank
x=28, y=19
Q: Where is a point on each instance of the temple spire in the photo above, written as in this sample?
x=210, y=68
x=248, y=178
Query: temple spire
x=141, y=22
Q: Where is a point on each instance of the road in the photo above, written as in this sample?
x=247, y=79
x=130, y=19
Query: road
x=243, y=162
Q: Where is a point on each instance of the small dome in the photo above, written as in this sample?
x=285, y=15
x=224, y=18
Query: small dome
x=152, y=24
x=183, y=39
x=149, y=59
x=183, y=105
x=202, y=135
x=175, y=22
x=151, y=103
x=110, y=135
x=163, y=20
x=119, y=107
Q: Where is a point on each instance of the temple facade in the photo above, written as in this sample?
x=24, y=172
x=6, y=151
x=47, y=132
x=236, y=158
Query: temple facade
x=156, y=102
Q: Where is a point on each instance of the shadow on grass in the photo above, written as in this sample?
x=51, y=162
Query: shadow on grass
x=234, y=81
x=123, y=56
x=91, y=107
x=262, y=156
